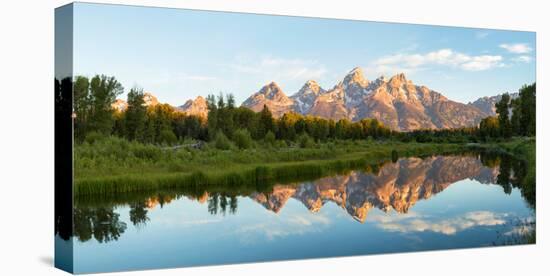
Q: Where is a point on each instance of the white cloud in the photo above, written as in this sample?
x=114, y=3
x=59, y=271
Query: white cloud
x=517, y=48
x=282, y=226
x=185, y=222
x=481, y=35
x=480, y=63
x=280, y=69
x=445, y=57
x=389, y=70
x=523, y=58
x=416, y=223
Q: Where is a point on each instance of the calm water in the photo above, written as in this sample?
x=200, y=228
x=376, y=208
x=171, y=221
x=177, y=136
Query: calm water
x=413, y=204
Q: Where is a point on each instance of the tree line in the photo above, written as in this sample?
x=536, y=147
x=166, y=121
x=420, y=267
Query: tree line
x=163, y=124
x=227, y=124
x=240, y=124
x=515, y=117
x=95, y=115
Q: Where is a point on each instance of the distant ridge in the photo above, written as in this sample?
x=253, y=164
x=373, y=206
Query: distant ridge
x=397, y=102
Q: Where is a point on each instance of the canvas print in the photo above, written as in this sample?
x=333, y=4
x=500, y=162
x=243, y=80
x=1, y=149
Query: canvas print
x=190, y=138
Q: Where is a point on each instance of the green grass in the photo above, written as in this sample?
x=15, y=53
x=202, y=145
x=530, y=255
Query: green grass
x=116, y=166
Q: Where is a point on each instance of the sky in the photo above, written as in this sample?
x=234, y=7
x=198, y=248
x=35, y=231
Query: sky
x=180, y=54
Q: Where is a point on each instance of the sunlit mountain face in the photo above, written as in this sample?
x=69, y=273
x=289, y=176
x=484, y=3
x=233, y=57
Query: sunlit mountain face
x=396, y=102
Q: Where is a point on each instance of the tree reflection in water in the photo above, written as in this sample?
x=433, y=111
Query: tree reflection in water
x=101, y=223
x=384, y=187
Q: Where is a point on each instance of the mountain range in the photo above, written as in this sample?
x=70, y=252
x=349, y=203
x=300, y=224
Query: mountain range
x=197, y=107
x=397, y=102
x=148, y=99
x=487, y=104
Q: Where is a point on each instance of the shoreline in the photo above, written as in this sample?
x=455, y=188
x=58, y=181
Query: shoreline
x=260, y=175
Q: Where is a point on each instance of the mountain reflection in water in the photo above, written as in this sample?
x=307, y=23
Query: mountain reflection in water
x=396, y=186
x=391, y=186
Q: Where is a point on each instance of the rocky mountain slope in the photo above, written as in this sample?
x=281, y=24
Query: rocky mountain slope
x=306, y=96
x=197, y=107
x=397, y=102
x=122, y=105
x=487, y=104
x=272, y=96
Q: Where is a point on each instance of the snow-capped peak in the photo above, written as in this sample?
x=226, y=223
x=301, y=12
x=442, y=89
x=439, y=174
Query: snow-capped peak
x=355, y=76
x=310, y=87
x=271, y=91
x=306, y=96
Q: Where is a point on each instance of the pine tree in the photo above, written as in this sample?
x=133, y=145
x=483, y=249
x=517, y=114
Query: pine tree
x=104, y=91
x=528, y=109
x=81, y=105
x=266, y=122
x=135, y=115
x=502, y=109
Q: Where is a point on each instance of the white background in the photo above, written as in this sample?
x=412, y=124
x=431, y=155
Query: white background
x=26, y=135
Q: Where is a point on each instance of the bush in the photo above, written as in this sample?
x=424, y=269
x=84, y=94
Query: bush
x=221, y=141
x=281, y=144
x=394, y=156
x=305, y=141
x=242, y=139
x=167, y=136
x=269, y=138
x=93, y=137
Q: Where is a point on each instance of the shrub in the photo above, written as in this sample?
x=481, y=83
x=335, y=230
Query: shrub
x=167, y=136
x=221, y=141
x=305, y=141
x=147, y=152
x=394, y=156
x=242, y=139
x=281, y=144
x=93, y=137
x=269, y=138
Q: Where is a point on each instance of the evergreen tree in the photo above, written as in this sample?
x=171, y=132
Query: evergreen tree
x=515, y=119
x=528, y=107
x=502, y=109
x=225, y=117
x=135, y=115
x=266, y=122
x=104, y=91
x=212, y=116
x=81, y=105
x=230, y=101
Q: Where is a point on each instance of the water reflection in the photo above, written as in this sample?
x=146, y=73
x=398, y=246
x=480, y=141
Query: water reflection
x=395, y=186
x=101, y=223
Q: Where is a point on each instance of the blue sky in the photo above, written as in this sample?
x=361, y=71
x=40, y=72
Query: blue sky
x=180, y=54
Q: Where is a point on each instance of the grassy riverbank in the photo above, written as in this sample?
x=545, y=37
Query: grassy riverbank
x=114, y=166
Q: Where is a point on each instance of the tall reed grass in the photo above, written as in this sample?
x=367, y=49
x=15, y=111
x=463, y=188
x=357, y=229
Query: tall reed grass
x=116, y=166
